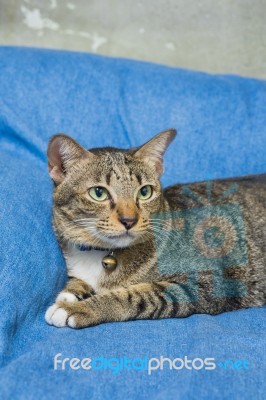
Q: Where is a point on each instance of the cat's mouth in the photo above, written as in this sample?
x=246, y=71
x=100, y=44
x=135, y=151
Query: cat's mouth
x=121, y=235
x=120, y=240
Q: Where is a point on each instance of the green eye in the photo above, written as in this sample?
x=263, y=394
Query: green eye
x=144, y=193
x=98, y=193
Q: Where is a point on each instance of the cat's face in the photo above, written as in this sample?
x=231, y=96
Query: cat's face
x=105, y=197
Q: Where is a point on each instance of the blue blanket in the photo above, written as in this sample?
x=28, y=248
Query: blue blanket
x=221, y=121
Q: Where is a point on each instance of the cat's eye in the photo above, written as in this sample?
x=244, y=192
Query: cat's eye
x=145, y=192
x=98, y=193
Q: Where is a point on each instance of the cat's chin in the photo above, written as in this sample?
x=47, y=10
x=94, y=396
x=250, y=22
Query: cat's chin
x=120, y=241
x=124, y=240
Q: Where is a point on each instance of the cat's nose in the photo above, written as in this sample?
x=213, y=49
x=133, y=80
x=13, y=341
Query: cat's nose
x=128, y=222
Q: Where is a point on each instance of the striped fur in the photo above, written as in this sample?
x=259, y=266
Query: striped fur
x=138, y=288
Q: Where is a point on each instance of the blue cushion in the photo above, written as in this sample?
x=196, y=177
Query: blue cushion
x=221, y=121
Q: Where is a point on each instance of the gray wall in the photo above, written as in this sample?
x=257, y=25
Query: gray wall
x=211, y=35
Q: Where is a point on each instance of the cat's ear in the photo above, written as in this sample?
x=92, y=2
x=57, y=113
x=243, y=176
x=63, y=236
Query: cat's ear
x=152, y=152
x=63, y=152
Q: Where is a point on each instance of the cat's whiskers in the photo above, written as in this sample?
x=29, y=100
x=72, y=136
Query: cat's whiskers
x=101, y=237
x=163, y=235
x=163, y=227
x=155, y=230
x=89, y=225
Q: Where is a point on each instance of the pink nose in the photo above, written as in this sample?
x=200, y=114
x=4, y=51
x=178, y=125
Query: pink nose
x=128, y=222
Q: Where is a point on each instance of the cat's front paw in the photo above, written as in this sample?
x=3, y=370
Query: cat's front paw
x=66, y=296
x=74, y=315
x=56, y=315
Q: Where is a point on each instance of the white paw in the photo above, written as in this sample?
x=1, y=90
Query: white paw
x=56, y=316
x=71, y=322
x=66, y=296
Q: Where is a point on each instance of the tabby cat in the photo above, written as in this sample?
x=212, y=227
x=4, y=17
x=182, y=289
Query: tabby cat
x=135, y=251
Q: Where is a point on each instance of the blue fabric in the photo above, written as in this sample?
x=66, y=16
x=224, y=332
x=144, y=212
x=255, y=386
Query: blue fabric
x=99, y=101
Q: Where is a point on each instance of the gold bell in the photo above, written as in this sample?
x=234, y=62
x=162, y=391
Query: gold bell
x=109, y=262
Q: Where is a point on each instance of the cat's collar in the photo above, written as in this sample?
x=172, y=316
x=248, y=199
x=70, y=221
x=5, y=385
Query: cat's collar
x=84, y=247
x=109, y=261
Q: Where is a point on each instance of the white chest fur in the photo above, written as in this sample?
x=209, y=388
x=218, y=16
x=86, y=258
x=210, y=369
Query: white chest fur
x=85, y=265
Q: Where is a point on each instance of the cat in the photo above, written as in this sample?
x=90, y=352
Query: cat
x=134, y=251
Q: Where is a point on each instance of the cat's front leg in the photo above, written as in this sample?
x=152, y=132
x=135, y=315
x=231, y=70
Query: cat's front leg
x=75, y=290
x=140, y=301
